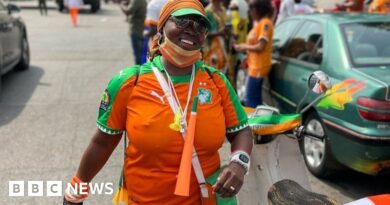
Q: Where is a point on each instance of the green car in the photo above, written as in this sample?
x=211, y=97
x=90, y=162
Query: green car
x=354, y=50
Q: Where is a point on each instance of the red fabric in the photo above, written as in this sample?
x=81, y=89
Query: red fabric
x=276, y=4
x=357, y=8
x=383, y=199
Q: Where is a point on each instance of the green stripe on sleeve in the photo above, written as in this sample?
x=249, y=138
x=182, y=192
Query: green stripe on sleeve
x=108, y=130
x=109, y=95
x=237, y=128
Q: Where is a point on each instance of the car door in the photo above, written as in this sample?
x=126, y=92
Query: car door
x=10, y=38
x=298, y=59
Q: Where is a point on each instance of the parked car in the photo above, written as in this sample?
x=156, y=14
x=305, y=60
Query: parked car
x=95, y=5
x=14, y=47
x=354, y=50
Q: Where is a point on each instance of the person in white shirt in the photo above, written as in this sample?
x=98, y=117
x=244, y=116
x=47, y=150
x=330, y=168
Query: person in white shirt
x=302, y=8
x=243, y=7
x=152, y=13
x=286, y=9
x=153, y=10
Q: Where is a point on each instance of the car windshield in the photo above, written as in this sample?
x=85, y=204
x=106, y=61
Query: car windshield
x=368, y=43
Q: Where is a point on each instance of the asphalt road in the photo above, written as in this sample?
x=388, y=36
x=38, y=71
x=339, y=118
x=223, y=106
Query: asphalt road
x=47, y=115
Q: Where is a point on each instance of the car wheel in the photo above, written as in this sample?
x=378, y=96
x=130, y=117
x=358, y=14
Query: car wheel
x=95, y=6
x=263, y=139
x=240, y=84
x=60, y=4
x=0, y=87
x=24, y=62
x=61, y=7
x=317, y=154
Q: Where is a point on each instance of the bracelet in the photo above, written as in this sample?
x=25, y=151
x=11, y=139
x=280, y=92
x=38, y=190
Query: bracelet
x=76, y=193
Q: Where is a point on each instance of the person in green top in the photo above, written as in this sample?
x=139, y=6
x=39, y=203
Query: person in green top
x=135, y=10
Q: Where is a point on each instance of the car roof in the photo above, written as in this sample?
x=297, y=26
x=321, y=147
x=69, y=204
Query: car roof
x=343, y=17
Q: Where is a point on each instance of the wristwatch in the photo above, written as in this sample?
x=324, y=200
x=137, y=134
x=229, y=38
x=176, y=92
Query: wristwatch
x=242, y=158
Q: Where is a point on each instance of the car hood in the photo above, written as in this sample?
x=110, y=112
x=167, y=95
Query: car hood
x=380, y=74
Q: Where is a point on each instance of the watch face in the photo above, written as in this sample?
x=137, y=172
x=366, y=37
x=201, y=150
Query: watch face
x=243, y=158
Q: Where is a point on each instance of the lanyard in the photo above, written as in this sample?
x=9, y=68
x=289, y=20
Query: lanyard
x=173, y=104
x=180, y=115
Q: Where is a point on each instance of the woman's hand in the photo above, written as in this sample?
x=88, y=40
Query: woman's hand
x=66, y=202
x=224, y=31
x=230, y=180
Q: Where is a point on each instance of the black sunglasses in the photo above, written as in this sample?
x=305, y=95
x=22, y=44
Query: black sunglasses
x=183, y=22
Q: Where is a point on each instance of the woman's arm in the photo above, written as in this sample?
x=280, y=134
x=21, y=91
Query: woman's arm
x=348, y=4
x=259, y=47
x=225, y=31
x=231, y=179
x=241, y=140
x=97, y=154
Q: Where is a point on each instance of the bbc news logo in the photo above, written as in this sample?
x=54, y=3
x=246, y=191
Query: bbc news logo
x=55, y=188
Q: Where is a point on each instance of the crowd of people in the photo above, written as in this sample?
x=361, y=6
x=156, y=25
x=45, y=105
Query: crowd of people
x=233, y=26
x=230, y=23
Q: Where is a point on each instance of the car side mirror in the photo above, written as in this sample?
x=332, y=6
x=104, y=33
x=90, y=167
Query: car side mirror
x=12, y=8
x=319, y=82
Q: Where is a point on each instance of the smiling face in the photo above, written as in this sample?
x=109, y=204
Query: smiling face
x=187, y=38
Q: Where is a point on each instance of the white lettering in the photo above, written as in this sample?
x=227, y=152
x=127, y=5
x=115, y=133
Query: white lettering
x=83, y=188
x=71, y=189
x=96, y=188
x=109, y=188
x=55, y=188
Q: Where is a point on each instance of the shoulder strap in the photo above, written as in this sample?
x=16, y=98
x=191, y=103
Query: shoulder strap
x=137, y=74
x=211, y=76
x=122, y=178
x=209, y=72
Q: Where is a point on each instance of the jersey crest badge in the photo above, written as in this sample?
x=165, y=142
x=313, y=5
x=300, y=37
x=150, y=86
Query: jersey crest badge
x=204, y=96
x=266, y=27
x=105, y=101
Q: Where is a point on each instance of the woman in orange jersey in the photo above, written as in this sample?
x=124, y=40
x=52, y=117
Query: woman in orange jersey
x=259, y=49
x=352, y=5
x=152, y=104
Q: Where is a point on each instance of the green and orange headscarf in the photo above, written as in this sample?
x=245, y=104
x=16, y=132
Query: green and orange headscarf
x=170, y=7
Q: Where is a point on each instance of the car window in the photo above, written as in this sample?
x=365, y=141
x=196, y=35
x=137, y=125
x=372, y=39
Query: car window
x=306, y=45
x=368, y=43
x=283, y=32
